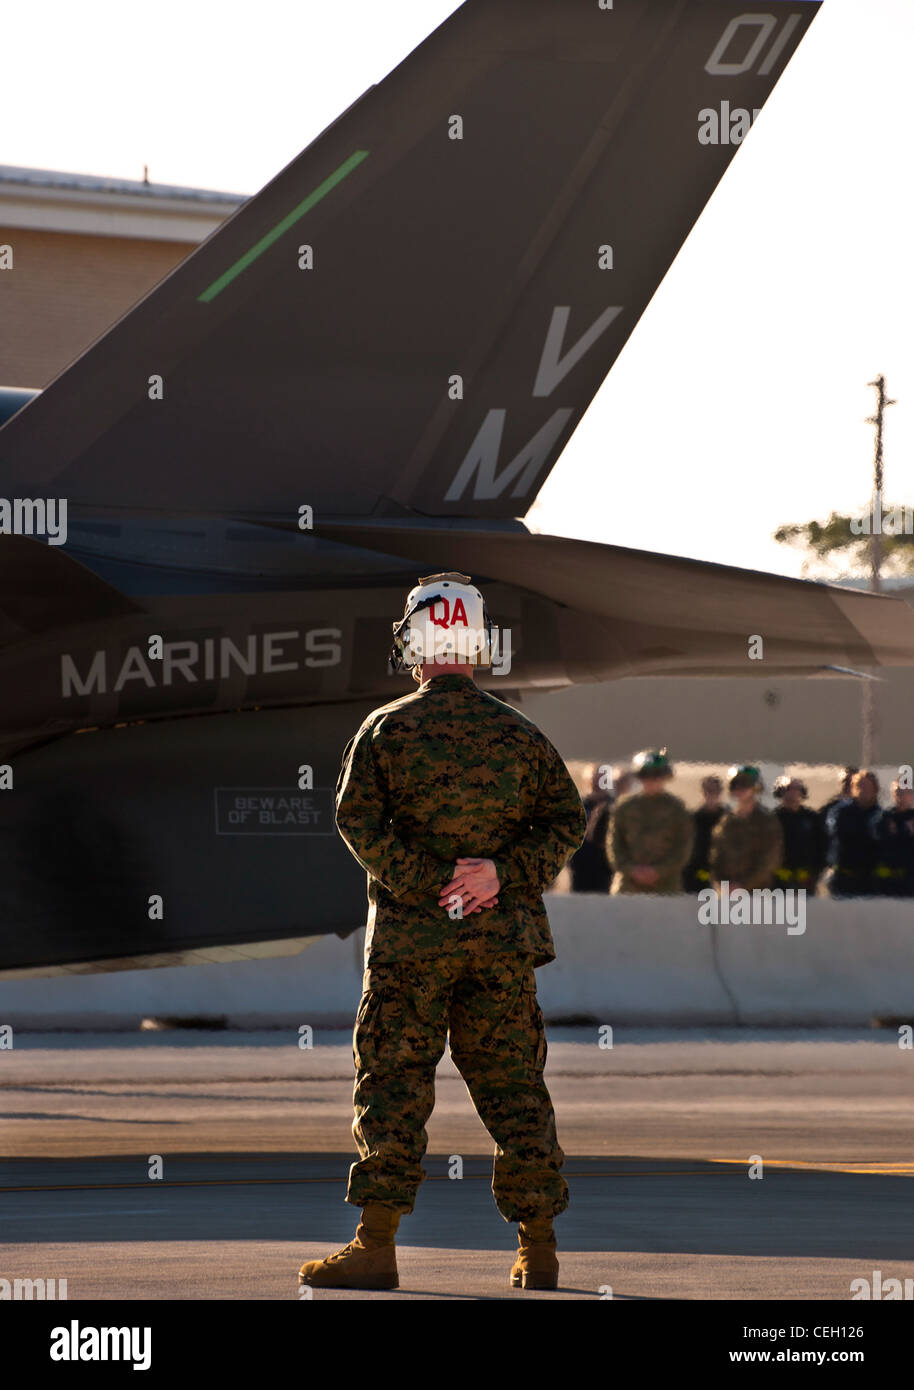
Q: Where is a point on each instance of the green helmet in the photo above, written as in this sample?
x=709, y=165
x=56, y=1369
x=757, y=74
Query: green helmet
x=653, y=762
x=745, y=775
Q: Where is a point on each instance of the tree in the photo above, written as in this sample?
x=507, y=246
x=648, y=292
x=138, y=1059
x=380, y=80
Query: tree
x=842, y=545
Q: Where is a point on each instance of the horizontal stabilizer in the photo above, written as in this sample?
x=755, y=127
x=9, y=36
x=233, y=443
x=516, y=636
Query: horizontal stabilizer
x=668, y=614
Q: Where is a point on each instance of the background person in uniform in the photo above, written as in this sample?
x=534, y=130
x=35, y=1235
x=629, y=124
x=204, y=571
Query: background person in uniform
x=462, y=813
x=843, y=794
x=854, y=833
x=747, y=846
x=804, y=836
x=624, y=782
x=590, y=871
x=897, y=835
x=651, y=832
x=696, y=874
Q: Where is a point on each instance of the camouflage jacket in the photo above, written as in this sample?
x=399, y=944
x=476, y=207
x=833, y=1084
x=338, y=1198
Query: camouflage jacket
x=747, y=850
x=653, y=830
x=447, y=772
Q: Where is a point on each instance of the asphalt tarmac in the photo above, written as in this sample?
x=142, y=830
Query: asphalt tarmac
x=660, y=1132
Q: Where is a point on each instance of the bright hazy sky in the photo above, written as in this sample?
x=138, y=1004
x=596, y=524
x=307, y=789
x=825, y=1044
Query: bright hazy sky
x=739, y=402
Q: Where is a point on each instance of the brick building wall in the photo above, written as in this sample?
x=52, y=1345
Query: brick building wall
x=65, y=290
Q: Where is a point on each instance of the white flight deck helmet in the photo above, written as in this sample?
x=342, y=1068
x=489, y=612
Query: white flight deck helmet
x=445, y=616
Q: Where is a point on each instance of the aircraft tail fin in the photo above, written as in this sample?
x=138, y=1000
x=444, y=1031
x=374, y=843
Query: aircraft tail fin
x=413, y=316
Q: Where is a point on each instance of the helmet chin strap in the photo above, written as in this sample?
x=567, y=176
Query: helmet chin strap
x=395, y=666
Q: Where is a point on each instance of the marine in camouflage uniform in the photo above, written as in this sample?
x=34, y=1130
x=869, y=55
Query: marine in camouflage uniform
x=651, y=829
x=450, y=788
x=747, y=846
x=445, y=773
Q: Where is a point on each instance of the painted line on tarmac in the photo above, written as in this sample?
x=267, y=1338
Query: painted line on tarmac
x=892, y=1170
x=430, y=1177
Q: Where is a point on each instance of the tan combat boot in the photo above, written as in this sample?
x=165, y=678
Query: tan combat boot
x=367, y=1262
x=536, y=1266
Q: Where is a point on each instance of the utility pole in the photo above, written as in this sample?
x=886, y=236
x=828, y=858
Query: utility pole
x=870, y=712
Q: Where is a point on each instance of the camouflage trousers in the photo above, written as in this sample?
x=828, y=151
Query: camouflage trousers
x=486, y=1008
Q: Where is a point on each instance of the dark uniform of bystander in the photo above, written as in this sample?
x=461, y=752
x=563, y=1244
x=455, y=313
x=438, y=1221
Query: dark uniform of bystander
x=854, y=840
x=697, y=875
x=897, y=850
x=589, y=867
x=804, y=837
